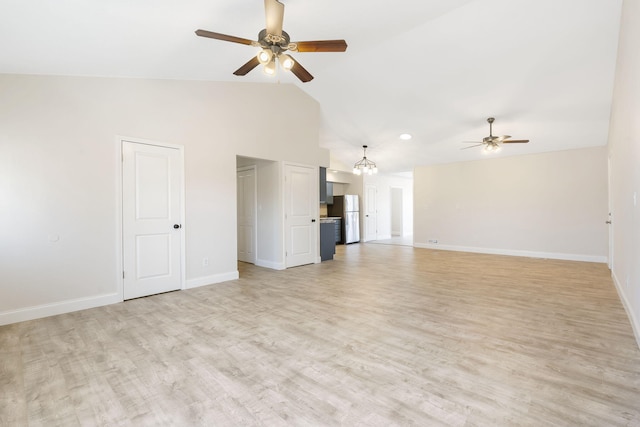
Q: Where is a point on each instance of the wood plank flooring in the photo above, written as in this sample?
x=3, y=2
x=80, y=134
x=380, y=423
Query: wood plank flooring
x=382, y=335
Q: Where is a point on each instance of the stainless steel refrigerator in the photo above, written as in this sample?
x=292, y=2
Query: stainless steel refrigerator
x=347, y=207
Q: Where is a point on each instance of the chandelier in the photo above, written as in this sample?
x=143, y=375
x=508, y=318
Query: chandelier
x=365, y=165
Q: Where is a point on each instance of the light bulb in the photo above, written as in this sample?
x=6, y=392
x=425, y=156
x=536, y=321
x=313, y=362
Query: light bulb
x=264, y=56
x=375, y=170
x=270, y=67
x=286, y=62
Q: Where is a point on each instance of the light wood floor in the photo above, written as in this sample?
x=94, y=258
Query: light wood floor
x=383, y=335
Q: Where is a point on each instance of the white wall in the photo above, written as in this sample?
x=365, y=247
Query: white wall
x=270, y=218
x=383, y=184
x=59, y=174
x=624, y=152
x=551, y=205
x=349, y=183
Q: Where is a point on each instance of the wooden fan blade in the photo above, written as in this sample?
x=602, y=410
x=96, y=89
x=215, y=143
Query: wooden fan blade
x=301, y=72
x=322, y=46
x=274, y=12
x=223, y=37
x=471, y=146
x=250, y=65
x=512, y=141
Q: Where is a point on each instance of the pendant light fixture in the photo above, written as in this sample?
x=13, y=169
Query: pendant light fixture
x=365, y=165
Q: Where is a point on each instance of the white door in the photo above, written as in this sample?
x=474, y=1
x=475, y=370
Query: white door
x=370, y=213
x=301, y=196
x=246, y=201
x=151, y=223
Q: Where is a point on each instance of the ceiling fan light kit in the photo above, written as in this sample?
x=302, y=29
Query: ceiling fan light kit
x=365, y=165
x=273, y=42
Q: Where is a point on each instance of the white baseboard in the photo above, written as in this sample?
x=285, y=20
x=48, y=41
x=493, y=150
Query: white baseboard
x=635, y=322
x=53, y=309
x=511, y=252
x=62, y=307
x=210, y=280
x=270, y=264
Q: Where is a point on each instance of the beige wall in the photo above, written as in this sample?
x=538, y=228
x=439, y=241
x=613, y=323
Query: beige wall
x=59, y=174
x=624, y=153
x=551, y=205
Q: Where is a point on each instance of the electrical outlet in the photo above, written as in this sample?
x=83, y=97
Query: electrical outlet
x=205, y=262
x=433, y=241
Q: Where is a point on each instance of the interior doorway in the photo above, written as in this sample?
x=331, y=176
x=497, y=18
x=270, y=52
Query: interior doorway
x=397, y=212
x=267, y=232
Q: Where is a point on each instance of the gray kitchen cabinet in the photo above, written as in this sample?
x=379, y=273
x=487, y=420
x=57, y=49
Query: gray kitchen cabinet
x=327, y=240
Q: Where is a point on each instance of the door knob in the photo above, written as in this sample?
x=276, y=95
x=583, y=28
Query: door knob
x=608, y=222
x=177, y=226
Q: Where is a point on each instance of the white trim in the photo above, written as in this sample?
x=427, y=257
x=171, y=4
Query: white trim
x=119, y=226
x=62, y=307
x=270, y=264
x=119, y=203
x=511, y=252
x=635, y=322
x=210, y=280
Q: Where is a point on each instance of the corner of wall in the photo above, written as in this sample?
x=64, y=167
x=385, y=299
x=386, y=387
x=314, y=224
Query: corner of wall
x=635, y=322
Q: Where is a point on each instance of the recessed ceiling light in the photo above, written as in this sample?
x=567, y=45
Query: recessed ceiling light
x=405, y=136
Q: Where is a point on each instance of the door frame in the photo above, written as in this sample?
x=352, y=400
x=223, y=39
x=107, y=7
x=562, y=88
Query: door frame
x=119, y=181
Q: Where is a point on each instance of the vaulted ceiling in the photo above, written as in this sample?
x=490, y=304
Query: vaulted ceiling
x=435, y=69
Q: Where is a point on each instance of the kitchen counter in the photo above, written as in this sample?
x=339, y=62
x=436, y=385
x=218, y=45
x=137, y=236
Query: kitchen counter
x=329, y=219
x=336, y=221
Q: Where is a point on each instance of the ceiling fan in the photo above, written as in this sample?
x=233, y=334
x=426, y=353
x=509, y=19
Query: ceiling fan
x=491, y=142
x=274, y=42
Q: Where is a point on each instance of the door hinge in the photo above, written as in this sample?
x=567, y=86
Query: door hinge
x=123, y=274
